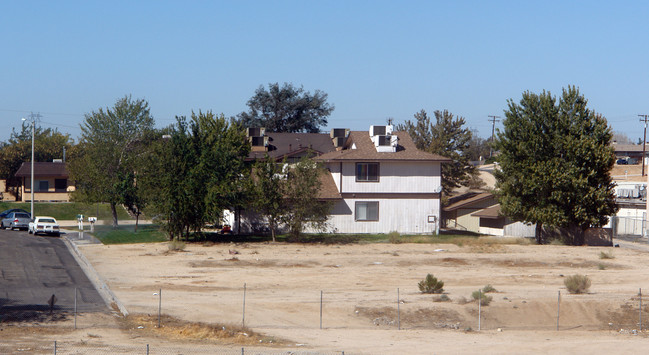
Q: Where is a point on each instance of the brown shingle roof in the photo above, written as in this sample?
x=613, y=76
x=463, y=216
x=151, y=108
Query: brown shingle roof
x=469, y=201
x=492, y=212
x=328, y=189
x=43, y=169
x=286, y=144
x=365, y=150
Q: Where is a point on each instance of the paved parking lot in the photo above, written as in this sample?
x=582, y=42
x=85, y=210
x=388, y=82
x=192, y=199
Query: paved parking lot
x=33, y=268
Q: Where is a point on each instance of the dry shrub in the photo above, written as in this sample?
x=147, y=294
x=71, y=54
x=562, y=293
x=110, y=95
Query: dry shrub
x=484, y=299
x=603, y=255
x=431, y=285
x=577, y=283
x=176, y=245
x=394, y=237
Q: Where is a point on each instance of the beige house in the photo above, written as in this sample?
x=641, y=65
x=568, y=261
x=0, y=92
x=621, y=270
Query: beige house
x=51, y=183
x=458, y=214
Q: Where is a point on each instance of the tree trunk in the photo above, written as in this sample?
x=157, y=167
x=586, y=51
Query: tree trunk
x=113, y=210
x=538, y=233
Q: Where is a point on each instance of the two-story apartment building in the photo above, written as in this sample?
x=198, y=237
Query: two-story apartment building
x=385, y=183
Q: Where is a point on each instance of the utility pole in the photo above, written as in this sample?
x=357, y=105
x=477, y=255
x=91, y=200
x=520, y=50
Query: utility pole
x=33, y=117
x=644, y=139
x=493, y=121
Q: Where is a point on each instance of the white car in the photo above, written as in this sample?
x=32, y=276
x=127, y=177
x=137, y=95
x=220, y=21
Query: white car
x=44, y=225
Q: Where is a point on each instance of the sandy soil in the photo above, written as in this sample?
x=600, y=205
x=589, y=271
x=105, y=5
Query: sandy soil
x=359, y=283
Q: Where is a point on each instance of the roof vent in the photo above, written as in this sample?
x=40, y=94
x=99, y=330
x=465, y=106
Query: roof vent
x=385, y=143
x=339, y=136
x=57, y=160
x=256, y=132
x=380, y=130
x=259, y=143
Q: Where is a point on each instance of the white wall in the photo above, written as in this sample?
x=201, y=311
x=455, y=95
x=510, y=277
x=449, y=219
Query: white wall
x=406, y=216
x=393, y=177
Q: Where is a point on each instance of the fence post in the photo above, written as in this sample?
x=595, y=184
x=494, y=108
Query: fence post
x=320, y=309
x=147, y=349
x=75, y=308
x=398, y=310
x=558, y=307
x=479, y=308
x=159, y=306
x=243, y=320
x=640, y=309
x=54, y=347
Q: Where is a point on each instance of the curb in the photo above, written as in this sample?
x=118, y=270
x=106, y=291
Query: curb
x=101, y=286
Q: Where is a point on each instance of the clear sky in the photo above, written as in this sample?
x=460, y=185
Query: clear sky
x=375, y=59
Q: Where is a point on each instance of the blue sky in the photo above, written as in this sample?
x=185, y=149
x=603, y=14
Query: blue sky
x=375, y=59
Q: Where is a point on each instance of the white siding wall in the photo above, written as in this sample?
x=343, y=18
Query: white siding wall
x=393, y=177
x=395, y=214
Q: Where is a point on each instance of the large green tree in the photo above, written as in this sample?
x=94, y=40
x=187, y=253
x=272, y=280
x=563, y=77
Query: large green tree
x=555, y=162
x=111, y=141
x=197, y=171
x=288, y=195
x=49, y=144
x=287, y=109
x=448, y=137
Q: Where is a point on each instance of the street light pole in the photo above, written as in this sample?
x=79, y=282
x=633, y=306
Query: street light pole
x=32, y=169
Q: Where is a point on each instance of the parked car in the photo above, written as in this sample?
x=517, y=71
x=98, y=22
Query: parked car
x=621, y=161
x=4, y=214
x=14, y=220
x=44, y=225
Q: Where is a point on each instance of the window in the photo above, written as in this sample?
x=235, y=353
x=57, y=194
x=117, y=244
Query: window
x=43, y=185
x=61, y=185
x=367, y=211
x=367, y=171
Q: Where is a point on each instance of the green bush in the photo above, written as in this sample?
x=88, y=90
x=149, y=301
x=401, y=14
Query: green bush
x=394, y=237
x=441, y=298
x=488, y=289
x=577, y=283
x=431, y=285
x=479, y=295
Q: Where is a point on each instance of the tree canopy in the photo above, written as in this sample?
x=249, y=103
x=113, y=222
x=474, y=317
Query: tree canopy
x=287, y=109
x=110, y=142
x=446, y=137
x=555, y=162
x=288, y=194
x=196, y=173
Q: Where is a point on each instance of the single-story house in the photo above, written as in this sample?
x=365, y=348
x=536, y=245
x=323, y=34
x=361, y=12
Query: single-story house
x=51, y=181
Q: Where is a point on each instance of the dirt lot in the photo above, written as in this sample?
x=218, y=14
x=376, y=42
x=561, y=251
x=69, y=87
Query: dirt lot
x=205, y=283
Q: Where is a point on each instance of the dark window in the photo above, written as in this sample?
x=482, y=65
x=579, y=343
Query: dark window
x=367, y=211
x=61, y=185
x=43, y=185
x=367, y=171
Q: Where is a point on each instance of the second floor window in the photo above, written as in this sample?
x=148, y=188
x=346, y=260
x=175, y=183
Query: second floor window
x=367, y=171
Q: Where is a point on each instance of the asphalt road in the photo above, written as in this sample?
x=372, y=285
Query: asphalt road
x=33, y=268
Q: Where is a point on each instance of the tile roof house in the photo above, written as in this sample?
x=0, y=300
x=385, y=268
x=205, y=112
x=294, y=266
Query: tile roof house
x=50, y=181
x=378, y=181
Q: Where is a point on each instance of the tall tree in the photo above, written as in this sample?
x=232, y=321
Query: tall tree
x=446, y=137
x=288, y=195
x=478, y=147
x=555, y=162
x=287, y=109
x=110, y=141
x=269, y=187
x=198, y=171
x=49, y=144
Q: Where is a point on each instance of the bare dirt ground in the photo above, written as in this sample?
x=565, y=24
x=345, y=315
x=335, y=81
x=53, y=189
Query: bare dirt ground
x=360, y=314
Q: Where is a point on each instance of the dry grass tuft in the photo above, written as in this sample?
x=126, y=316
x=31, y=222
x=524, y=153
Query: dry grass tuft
x=180, y=329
